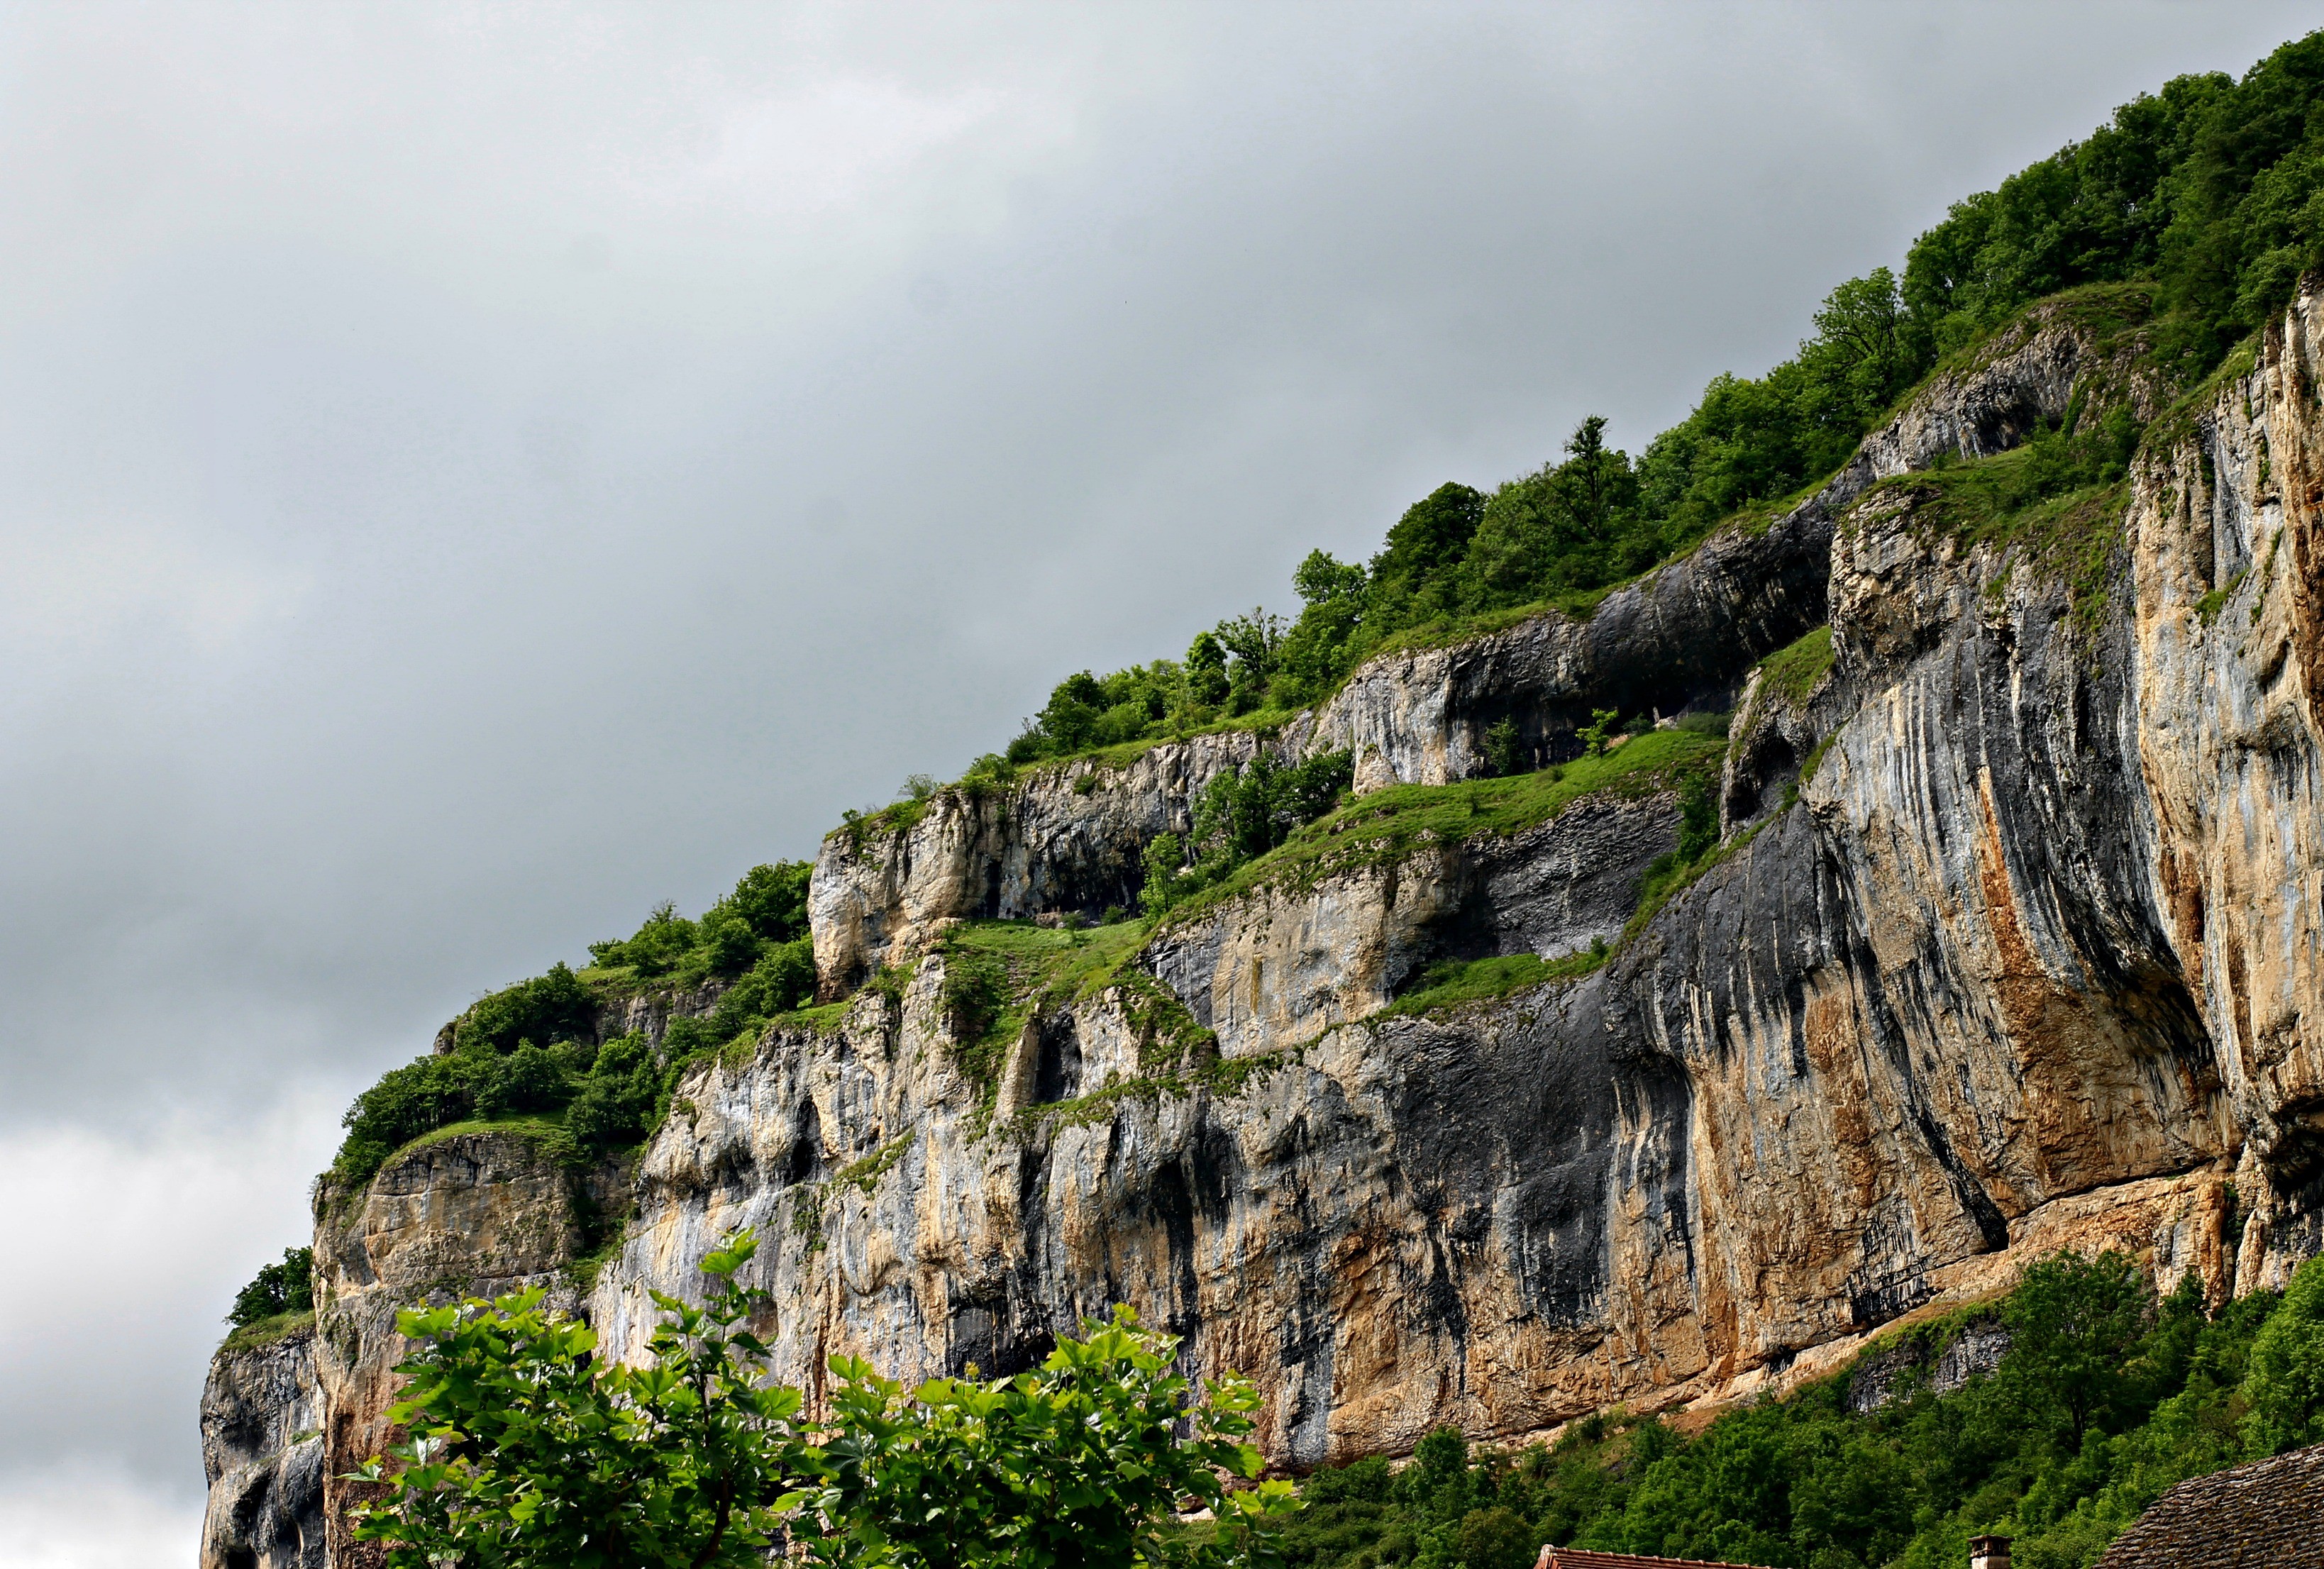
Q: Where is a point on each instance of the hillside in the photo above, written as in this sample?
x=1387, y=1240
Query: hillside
x=1653, y=927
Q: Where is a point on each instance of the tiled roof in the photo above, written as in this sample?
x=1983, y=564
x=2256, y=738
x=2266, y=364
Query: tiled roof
x=2267, y=1515
x=1574, y=1558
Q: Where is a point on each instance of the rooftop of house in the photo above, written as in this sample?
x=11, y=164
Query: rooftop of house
x=2269, y=1513
x=1575, y=1558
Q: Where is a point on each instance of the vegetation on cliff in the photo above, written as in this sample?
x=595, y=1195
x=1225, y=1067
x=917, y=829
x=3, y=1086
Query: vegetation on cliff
x=280, y=1299
x=1390, y=825
x=2106, y=1397
x=2205, y=193
x=531, y=1050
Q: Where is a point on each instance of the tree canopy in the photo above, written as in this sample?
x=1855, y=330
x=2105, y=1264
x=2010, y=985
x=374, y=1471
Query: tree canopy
x=527, y=1450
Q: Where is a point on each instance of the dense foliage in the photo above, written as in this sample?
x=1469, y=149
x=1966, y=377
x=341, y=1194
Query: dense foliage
x=2106, y=1397
x=1242, y=814
x=531, y=1049
x=528, y=1450
x=278, y=1289
x=2213, y=189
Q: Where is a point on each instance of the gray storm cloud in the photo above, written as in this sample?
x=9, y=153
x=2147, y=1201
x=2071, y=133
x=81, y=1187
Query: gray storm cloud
x=468, y=473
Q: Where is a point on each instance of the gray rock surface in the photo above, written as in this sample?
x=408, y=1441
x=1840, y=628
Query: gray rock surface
x=262, y=1457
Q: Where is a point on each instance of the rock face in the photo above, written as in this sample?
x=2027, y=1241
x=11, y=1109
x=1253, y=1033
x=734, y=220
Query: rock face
x=2012, y=946
x=475, y=1214
x=263, y=1455
x=1069, y=838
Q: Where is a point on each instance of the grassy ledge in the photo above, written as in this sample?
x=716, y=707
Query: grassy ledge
x=1791, y=673
x=1448, y=987
x=268, y=1332
x=1390, y=825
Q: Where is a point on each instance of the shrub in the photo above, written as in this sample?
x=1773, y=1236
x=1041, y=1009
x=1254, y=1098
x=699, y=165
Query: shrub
x=527, y=1448
x=552, y=1007
x=278, y=1289
x=767, y=906
x=1598, y=731
x=1166, y=856
x=1502, y=747
x=528, y=1079
x=2073, y=1322
x=615, y=1104
x=975, y=995
x=1698, y=827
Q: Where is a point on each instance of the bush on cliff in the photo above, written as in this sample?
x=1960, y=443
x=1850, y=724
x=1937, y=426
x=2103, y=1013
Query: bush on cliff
x=527, y=1449
x=277, y=1289
x=766, y=909
x=531, y=1049
x=1242, y=814
x=2106, y=1398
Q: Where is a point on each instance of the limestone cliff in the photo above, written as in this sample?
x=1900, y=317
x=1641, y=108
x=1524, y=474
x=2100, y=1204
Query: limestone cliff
x=2012, y=945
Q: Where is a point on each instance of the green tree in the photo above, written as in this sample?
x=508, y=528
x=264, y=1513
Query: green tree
x=1429, y=540
x=1165, y=861
x=528, y=1450
x=2073, y=1322
x=772, y=900
x=552, y=1007
x=1069, y=719
x=1504, y=746
x=1496, y=1538
x=1322, y=580
x=1206, y=669
x=277, y=1289
x=1599, y=730
x=2286, y=1384
x=1075, y=1465
x=1589, y=481
x=1255, y=644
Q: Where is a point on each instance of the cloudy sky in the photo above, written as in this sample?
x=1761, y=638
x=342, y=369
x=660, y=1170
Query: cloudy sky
x=468, y=473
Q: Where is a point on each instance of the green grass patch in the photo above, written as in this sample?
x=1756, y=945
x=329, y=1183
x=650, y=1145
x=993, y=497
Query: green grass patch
x=1999, y=502
x=2211, y=604
x=1010, y=972
x=2109, y=313
x=864, y=1176
x=1122, y=753
x=1000, y=974
x=1390, y=825
x=268, y=1332
x=822, y=1018
x=809, y=1203
x=1792, y=672
x=548, y=1134
x=1456, y=984
x=1226, y=1077
x=1814, y=761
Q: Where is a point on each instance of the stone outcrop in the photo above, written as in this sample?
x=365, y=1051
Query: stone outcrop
x=1069, y=838
x=467, y=1214
x=1286, y=963
x=263, y=1455
x=2027, y=960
